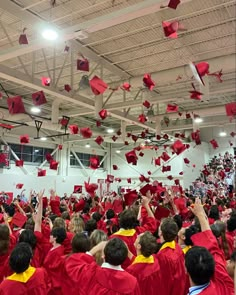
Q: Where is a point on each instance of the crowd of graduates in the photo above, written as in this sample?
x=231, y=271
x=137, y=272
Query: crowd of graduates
x=162, y=244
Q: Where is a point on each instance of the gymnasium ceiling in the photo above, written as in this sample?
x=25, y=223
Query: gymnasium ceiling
x=123, y=40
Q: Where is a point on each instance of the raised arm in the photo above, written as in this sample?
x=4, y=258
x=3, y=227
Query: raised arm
x=39, y=214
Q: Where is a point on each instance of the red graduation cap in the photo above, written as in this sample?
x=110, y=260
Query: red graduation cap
x=98, y=123
x=172, y=108
x=110, y=178
x=118, y=132
x=178, y=147
x=149, y=172
x=186, y=161
x=94, y=162
x=170, y=177
x=129, y=180
x=67, y=87
x=165, y=157
x=90, y=188
x=115, y=167
x=176, y=181
x=157, y=161
x=218, y=75
x=195, y=94
x=19, y=219
x=114, y=138
x=86, y=132
x=24, y=139
x=158, y=137
x=126, y=142
x=143, y=134
x=77, y=189
x=97, y=85
x=49, y=157
x=166, y=168
x=83, y=65
x=141, y=154
x=15, y=105
x=117, y=179
x=99, y=140
x=3, y=159
x=129, y=134
x=103, y=114
x=181, y=173
x=39, y=98
x=19, y=163
x=230, y=109
x=126, y=86
x=200, y=70
x=64, y=121
x=134, y=137
x=174, y=4
x=142, y=178
x=130, y=197
x=19, y=185
x=53, y=165
x=146, y=104
x=232, y=133
x=146, y=188
x=165, y=136
x=214, y=144
x=23, y=38
x=196, y=137
x=74, y=129
x=46, y=81
x=148, y=82
x=170, y=29
x=131, y=157
x=188, y=116
x=142, y=118
x=60, y=146
x=66, y=48
x=41, y=173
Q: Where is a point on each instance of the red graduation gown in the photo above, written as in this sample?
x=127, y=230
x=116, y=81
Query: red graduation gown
x=224, y=284
x=4, y=258
x=35, y=285
x=53, y=265
x=88, y=278
x=147, y=272
x=173, y=276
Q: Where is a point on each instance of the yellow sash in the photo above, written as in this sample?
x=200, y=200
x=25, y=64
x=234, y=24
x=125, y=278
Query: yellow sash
x=126, y=232
x=143, y=259
x=186, y=248
x=168, y=245
x=24, y=276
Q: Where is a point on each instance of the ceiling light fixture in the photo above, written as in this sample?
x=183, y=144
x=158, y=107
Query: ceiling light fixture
x=43, y=138
x=35, y=110
x=87, y=145
x=118, y=151
x=110, y=130
x=222, y=133
x=198, y=120
x=50, y=34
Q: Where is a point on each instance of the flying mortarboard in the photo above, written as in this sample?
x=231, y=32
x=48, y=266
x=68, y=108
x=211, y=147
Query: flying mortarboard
x=53, y=165
x=41, y=173
x=146, y=104
x=39, y=98
x=142, y=118
x=19, y=185
x=230, y=109
x=19, y=163
x=130, y=197
x=74, y=129
x=199, y=70
x=97, y=85
x=90, y=188
x=115, y=167
x=15, y=105
x=103, y=114
x=83, y=65
x=86, y=132
x=67, y=87
x=94, y=162
x=214, y=144
x=172, y=108
x=148, y=82
x=131, y=157
x=46, y=81
x=99, y=140
x=23, y=38
x=77, y=189
x=126, y=86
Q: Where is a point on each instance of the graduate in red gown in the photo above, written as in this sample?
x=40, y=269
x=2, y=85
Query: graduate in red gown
x=54, y=259
x=145, y=267
x=26, y=280
x=171, y=259
x=88, y=278
x=205, y=262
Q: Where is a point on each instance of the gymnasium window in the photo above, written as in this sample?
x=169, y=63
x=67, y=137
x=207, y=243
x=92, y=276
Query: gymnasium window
x=84, y=158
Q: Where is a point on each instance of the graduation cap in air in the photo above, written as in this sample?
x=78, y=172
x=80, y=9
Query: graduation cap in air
x=110, y=178
x=157, y=161
x=146, y=188
x=174, y=4
x=148, y=82
x=142, y=118
x=214, y=144
x=178, y=147
x=77, y=189
x=166, y=168
x=41, y=173
x=3, y=158
x=60, y=146
x=46, y=81
x=15, y=105
x=19, y=163
x=134, y=137
x=97, y=85
x=172, y=108
x=86, y=132
x=126, y=142
x=186, y=161
x=114, y=138
x=165, y=136
x=171, y=28
x=74, y=129
x=126, y=86
x=83, y=65
x=19, y=219
x=130, y=197
x=142, y=178
x=103, y=114
x=196, y=137
x=115, y=167
x=232, y=134
x=39, y=98
x=99, y=140
x=67, y=87
x=165, y=157
x=23, y=38
x=170, y=177
x=188, y=116
x=66, y=48
x=53, y=165
x=141, y=154
x=176, y=181
x=131, y=157
x=24, y=139
x=230, y=109
x=129, y=180
x=218, y=75
x=195, y=94
x=94, y=162
x=199, y=70
x=49, y=157
x=146, y=104
x=90, y=188
x=181, y=173
x=19, y=185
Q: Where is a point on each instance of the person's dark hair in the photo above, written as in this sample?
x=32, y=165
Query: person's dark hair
x=65, y=215
x=189, y=232
x=10, y=210
x=86, y=208
x=200, y=265
x=62, y=208
x=20, y=257
x=179, y=221
x=29, y=224
x=96, y=216
x=80, y=243
x=223, y=243
x=52, y=217
x=148, y=244
x=128, y=219
x=90, y=226
x=115, y=252
x=59, y=233
x=28, y=236
x=233, y=256
x=4, y=239
x=169, y=229
x=110, y=214
x=214, y=212
x=231, y=222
